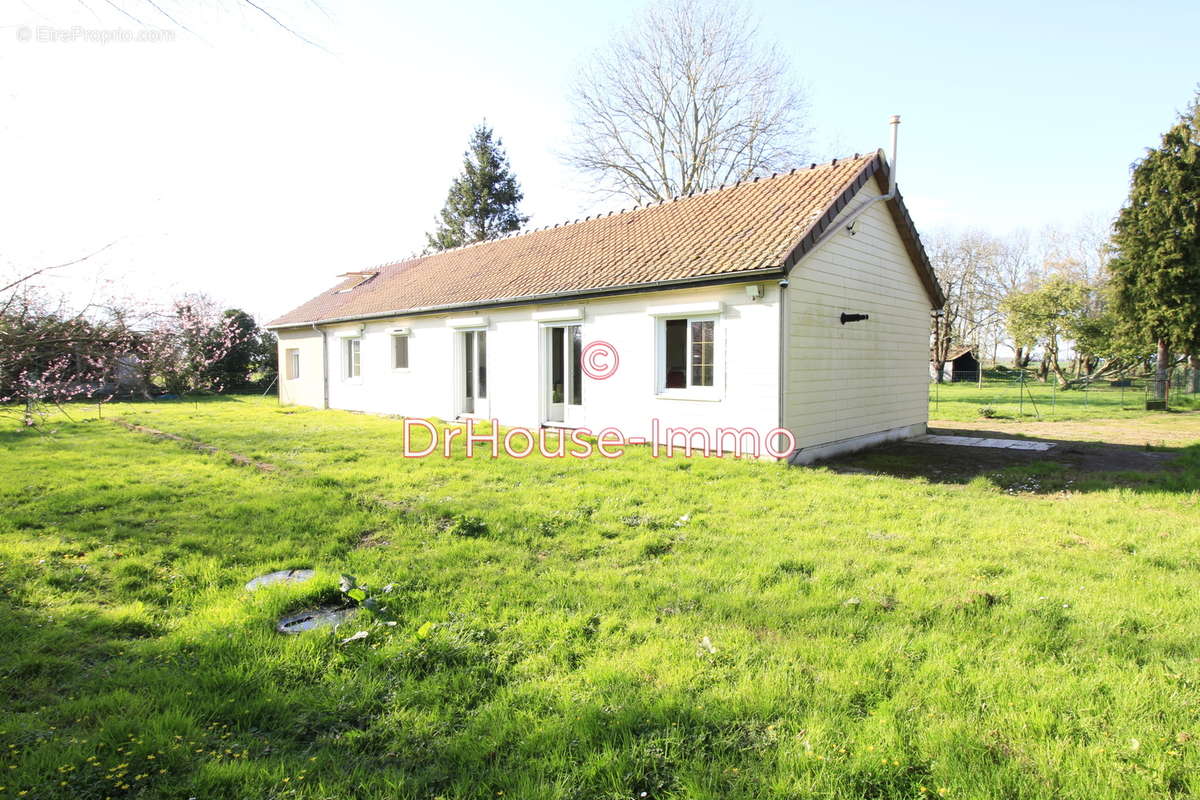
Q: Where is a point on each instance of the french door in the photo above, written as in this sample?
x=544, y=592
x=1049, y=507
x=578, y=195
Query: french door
x=473, y=351
x=563, y=374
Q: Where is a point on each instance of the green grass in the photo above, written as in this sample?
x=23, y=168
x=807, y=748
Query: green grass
x=871, y=637
x=1009, y=400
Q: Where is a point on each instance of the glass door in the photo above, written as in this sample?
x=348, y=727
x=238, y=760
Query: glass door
x=564, y=374
x=474, y=376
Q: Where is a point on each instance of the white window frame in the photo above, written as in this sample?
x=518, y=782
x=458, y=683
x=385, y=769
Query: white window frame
x=407, y=352
x=690, y=391
x=291, y=363
x=348, y=375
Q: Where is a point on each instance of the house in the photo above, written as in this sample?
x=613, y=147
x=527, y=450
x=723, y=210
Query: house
x=961, y=365
x=795, y=308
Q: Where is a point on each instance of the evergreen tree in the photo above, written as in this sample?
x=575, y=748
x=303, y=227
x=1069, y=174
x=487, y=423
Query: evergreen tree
x=1156, y=239
x=482, y=202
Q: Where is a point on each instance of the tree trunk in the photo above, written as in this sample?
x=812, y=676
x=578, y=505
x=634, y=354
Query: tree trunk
x=1063, y=380
x=1160, y=371
x=939, y=366
x=1052, y=356
x=1017, y=359
x=1043, y=368
x=1194, y=363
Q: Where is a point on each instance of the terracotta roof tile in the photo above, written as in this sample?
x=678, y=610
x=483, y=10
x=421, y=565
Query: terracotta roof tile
x=749, y=226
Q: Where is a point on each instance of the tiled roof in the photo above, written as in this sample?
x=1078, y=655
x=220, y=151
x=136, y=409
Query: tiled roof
x=733, y=231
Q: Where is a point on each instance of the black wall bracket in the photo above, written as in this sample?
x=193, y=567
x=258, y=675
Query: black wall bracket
x=854, y=317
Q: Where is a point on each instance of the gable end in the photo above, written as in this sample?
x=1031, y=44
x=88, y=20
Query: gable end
x=876, y=168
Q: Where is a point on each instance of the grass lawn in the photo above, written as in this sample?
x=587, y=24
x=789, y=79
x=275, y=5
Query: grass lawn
x=620, y=628
x=1011, y=400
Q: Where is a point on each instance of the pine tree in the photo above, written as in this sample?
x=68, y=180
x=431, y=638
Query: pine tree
x=1156, y=239
x=482, y=202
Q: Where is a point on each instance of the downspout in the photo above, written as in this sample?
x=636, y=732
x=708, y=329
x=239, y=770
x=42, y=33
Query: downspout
x=324, y=365
x=870, y=201
x=783, y=371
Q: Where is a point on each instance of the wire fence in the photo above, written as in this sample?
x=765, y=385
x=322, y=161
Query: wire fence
x=1002, y=393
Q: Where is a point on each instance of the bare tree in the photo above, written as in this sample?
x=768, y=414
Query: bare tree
x=970, y=267
x=686, y=99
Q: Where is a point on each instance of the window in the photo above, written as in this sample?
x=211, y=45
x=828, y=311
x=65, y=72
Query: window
x=689, y=353
x=481, y=344
x=353, y=359
x=291, y=359
x=400, y=351
x=576, y=364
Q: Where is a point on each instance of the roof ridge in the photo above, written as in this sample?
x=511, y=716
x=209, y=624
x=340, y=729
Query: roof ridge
x=637, y=207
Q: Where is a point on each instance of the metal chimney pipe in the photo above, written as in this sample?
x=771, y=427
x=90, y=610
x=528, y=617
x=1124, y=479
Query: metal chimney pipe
x=848, y=222
x=895, y=123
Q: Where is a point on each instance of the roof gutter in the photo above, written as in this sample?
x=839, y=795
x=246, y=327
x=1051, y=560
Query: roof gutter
x=870, y=201
x=745, y=276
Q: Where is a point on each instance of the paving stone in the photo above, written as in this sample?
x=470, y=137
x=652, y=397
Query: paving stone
x=307, y=620
x=281, y=576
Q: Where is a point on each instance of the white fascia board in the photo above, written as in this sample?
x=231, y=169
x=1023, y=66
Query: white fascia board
x=467, y=322
x=558, y=315
x=687, y=309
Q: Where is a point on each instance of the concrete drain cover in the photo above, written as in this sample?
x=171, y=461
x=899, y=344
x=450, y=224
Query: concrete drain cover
x=307, y=620
x=282, y=576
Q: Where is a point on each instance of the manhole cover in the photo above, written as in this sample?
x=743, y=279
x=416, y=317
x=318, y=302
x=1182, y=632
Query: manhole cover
x=282, y=576
x=323, y=617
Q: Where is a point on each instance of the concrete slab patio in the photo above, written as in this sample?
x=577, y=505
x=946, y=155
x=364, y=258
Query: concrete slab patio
x=971, y=441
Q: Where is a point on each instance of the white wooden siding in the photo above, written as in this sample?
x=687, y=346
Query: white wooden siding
x=861, y=378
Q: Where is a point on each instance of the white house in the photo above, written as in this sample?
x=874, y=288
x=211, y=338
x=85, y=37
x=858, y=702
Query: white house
x=799, y=302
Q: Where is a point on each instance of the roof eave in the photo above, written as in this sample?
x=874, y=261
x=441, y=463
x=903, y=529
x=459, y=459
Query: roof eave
x=741, y=276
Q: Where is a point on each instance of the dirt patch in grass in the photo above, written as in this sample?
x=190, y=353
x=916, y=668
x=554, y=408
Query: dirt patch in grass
x=1068, y=465
x=237, y=458
x=372, y=538
x=1162, y=429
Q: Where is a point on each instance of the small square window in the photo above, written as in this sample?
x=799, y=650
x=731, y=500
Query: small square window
x=400, y=351
x=353, y=359
x=688, y=356
x=292, y=363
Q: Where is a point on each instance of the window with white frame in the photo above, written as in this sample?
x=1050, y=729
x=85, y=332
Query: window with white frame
x=687, y=356
x=352, y=359
x=400, y=351
x=292, y=363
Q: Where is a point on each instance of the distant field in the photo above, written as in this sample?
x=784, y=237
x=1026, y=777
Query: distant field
x=1010, y=399
x=624, y=629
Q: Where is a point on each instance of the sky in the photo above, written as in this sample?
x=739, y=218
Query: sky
x=235, y=159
